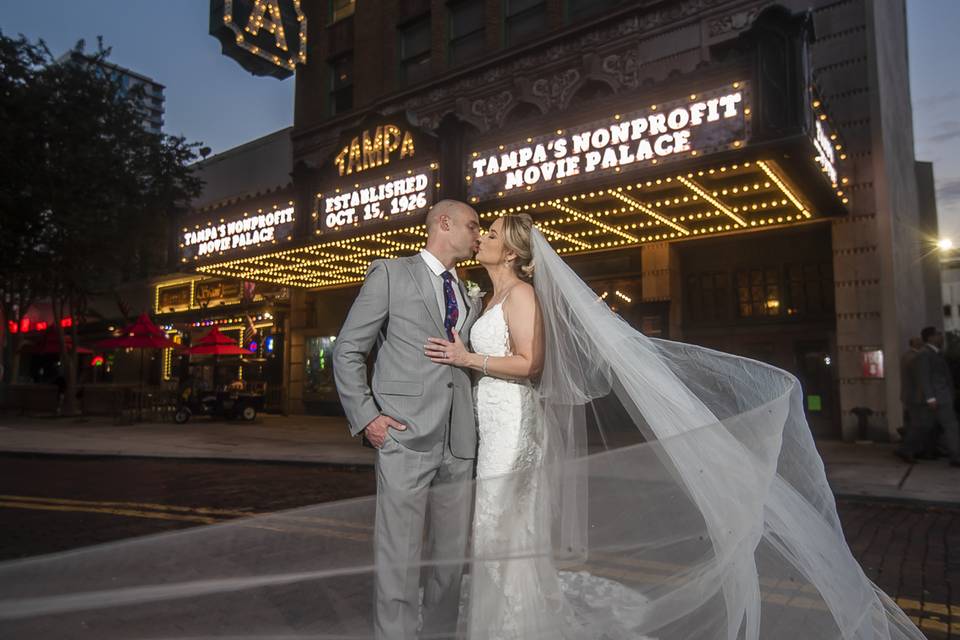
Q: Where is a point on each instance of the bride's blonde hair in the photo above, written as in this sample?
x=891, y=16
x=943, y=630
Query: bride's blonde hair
x=516, y=239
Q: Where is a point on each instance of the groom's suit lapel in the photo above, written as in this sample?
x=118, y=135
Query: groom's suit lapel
x=421, y=277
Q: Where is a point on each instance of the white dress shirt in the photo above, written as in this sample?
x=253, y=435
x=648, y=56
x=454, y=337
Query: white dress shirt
x=436, y=268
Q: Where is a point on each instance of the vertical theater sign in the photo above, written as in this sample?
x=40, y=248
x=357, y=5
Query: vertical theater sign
x=267, y=37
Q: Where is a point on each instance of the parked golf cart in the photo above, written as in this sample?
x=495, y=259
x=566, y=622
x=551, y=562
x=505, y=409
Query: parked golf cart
x=219, y=404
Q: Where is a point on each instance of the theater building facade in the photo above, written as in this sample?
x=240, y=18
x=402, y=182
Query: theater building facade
x=734, y=174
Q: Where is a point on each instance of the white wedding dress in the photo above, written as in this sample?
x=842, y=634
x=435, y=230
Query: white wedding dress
x=522, y=594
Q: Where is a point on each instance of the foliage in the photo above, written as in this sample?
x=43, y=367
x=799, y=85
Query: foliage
x=86, y=192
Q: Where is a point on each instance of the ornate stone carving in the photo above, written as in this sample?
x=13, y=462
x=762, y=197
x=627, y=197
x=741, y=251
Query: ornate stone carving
x=624, y=67
x=734, y=22
x=492, y=110
x=485, y=97
x=555, y=91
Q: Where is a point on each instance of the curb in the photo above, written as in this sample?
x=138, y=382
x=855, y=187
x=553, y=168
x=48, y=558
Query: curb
x=100, y=455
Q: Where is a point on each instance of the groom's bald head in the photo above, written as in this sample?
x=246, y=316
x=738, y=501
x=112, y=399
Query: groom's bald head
x=453, y=228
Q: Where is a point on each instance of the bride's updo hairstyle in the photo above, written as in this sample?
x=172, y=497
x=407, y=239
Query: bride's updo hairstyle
x=516, y=239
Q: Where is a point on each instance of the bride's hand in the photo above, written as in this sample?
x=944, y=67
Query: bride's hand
x=445, y=352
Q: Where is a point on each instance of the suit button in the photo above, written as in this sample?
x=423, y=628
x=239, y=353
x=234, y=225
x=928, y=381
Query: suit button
x=449, y=385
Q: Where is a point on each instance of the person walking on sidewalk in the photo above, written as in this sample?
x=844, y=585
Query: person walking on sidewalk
x=931, y=401
x=908, y=380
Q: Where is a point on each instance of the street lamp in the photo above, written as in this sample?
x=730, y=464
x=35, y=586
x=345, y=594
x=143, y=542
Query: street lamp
x=945, y=244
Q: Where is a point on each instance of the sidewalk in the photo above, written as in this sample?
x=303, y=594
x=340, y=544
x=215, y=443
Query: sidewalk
x=854, y=470
x=303, y=439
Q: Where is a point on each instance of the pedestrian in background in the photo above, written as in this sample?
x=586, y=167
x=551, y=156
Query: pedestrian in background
x=908, y=381
x=931, y=401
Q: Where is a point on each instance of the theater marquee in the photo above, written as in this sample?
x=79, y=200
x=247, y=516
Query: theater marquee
x=697, y=124
x=231, y=235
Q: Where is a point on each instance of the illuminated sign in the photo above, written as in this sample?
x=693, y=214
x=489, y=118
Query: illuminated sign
x=826, y=157
x=406, y=193
x=267, y=37
x=698, y=124
x=264, y=227
x=375, y=148
x=872, y=363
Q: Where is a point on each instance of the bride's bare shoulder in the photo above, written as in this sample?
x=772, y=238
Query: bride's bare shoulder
x=522, y=295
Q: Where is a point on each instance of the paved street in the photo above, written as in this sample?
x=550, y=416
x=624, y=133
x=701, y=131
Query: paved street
x=51, y=504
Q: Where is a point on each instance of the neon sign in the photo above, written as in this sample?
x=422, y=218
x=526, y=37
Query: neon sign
x=267, y=37
x=373, y=149
x=407, y=193
x=247, y=231
x=826, y=157
x=699, y=124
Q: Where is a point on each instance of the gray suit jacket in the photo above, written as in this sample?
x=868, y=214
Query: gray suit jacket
x=397, y=311
x=933, y=377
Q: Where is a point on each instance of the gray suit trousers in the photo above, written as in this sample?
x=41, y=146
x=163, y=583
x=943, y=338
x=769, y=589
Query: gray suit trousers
x=417, y=489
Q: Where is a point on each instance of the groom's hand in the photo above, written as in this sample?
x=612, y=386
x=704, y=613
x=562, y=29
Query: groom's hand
x=376, y=431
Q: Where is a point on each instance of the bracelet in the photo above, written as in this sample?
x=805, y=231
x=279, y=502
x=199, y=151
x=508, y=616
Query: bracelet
x=485, y=358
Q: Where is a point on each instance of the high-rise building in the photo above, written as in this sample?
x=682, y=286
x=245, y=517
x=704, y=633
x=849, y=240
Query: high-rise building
x=152, y=105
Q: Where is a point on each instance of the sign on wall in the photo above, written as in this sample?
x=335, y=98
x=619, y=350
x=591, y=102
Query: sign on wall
x=232, y=235
x=267, y=37
x=374, y=148
x=698, y=124
x=405, y=193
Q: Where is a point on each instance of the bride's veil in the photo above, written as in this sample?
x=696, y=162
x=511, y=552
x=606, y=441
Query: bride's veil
x=682, y=492
x=721, y=515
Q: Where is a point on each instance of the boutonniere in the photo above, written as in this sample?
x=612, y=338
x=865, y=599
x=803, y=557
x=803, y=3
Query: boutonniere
x=473, y=290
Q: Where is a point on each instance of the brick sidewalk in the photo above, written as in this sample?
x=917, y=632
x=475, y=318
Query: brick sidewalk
x=913, y=554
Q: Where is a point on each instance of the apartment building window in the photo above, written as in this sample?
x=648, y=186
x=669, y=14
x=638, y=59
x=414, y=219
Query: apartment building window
x=583, y=8
x=524, y=19
x=947, y=310
x=340, y=9
x=707, y=296
x=758, y=292
x=415, y=51
x=341, y=84
x=810, y=289
x=468, y=32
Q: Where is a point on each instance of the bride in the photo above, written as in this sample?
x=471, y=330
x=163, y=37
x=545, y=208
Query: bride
x=739, y=520
x=516, y=598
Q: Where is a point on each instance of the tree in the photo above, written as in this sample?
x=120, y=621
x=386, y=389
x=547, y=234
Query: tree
x=98, y=190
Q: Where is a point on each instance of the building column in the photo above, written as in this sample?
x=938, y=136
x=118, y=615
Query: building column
x=294, y=353
x=661, y=281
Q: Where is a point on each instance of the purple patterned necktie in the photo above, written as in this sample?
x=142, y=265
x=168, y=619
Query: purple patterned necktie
x=453, y=312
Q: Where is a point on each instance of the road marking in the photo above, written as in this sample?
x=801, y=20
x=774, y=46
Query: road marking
x=155, y=515
x=134, y=505
x=230, y=513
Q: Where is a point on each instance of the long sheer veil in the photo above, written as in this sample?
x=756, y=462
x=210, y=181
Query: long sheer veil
x=685, y=479
x=724, y=505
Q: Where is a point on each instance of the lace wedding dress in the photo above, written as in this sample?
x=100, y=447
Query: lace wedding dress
x=522, y=594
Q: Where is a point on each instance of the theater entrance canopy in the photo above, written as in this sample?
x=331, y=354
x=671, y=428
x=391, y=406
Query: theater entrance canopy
x=725, y=153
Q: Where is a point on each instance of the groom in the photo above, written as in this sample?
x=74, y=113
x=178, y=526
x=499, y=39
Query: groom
x=419, y=415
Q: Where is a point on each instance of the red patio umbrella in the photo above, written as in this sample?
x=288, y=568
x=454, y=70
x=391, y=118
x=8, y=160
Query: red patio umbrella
x=142, y=334
x=216, y=343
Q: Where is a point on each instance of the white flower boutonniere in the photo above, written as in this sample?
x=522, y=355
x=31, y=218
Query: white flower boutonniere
x=473, y=290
